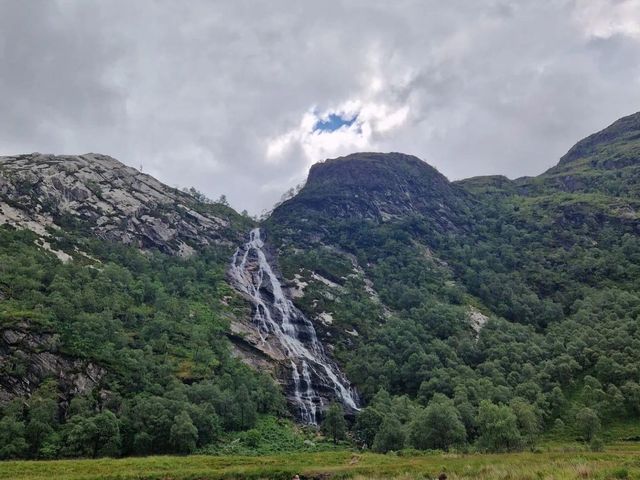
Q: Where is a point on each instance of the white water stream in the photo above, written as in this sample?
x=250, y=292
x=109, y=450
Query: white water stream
x=276, y=316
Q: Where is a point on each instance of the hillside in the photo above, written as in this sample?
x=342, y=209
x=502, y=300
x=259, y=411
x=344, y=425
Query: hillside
x=529, y=296
x=137, y=319
x=101, y=196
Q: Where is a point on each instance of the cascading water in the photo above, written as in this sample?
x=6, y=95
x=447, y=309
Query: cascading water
x=279, y=320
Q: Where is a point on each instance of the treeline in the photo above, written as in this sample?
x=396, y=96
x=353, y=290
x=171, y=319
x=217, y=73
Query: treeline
x=180, y=420
x=393, y=423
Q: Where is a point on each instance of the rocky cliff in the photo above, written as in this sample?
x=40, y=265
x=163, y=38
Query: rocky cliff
x=98, y=194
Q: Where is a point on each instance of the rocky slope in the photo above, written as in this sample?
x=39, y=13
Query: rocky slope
x=90, y=196
x=373, y=187
x=112, y=201
x=32, y=357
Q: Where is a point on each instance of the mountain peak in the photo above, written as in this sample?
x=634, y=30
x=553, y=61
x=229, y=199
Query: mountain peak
x=371, y=170
x=374, y=186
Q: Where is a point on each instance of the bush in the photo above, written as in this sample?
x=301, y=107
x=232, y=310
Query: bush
x=597, y=445
x=588, y=424
x=621, y=473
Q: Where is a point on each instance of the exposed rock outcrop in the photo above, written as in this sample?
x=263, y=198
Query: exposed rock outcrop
x=375, y=187
x=28, y=358
x=113, y=201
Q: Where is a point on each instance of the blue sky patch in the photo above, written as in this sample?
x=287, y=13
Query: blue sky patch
x=333, y=122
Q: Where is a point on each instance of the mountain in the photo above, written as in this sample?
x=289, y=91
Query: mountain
x=606, y=163
x=494, y=289
x=109, y=200
x=377, y=187
x=136, y=310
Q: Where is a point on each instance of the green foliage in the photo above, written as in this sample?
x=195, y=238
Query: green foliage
x=92, y=436
x=334, y=425
x=498, y=428
x=528, y=421
x=183, y=434
x=367, y=425
x=155, y=324
x=438, y=426
x=12, y=437
x=390, y=436
x=588, y=424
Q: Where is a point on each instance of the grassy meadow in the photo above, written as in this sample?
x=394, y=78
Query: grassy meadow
x=617, y=461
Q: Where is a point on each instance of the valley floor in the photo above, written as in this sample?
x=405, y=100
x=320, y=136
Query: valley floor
x=618, y=461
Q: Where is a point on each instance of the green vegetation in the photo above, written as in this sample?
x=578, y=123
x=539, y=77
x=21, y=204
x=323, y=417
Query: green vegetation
x=155, y=325
x=560, y=463
x=551, y=265
x=333, y=425
x=487, y=316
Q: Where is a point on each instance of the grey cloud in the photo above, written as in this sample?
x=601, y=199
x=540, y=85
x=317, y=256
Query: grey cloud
x=194, y=91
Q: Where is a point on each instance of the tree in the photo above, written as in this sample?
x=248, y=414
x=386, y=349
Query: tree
x=631, y=391
x=107, y=440
x=587, y=423
x=184, y=434
x=12, y=437
x=95, y=436
x=222, y=200
x=438, y=426
x=367, y=425
x=79, y=437
x=207, y=422
x=498, y=428
x=142, y=443
x=528, y=421
x=43, y=410
x=391, y=435
x=334, y=425
x=246, y=409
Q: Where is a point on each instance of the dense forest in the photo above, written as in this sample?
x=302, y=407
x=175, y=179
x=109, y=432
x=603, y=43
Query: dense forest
x=482, y=314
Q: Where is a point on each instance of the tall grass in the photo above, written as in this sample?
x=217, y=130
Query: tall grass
x=619, y=461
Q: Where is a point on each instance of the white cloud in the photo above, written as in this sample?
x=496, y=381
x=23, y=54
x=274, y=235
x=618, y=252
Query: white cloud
x=375, y=110
x=372, y=120
x=606, y=18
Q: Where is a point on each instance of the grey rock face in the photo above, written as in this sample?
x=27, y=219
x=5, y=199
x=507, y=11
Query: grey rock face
x=114, y=201
x=28, y=358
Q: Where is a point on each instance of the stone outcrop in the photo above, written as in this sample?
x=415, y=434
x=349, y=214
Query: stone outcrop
x=115, y=202
x=27, y=358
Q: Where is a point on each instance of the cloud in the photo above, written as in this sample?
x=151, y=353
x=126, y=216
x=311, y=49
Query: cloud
x=606, y=18
x=354, y=125
x=227, y=96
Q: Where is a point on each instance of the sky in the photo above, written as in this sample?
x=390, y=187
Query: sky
x=241, y=97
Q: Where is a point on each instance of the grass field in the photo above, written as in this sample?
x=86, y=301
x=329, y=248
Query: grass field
x=618, y=461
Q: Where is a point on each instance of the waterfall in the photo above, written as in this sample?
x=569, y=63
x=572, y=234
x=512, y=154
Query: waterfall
x=313, y=375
